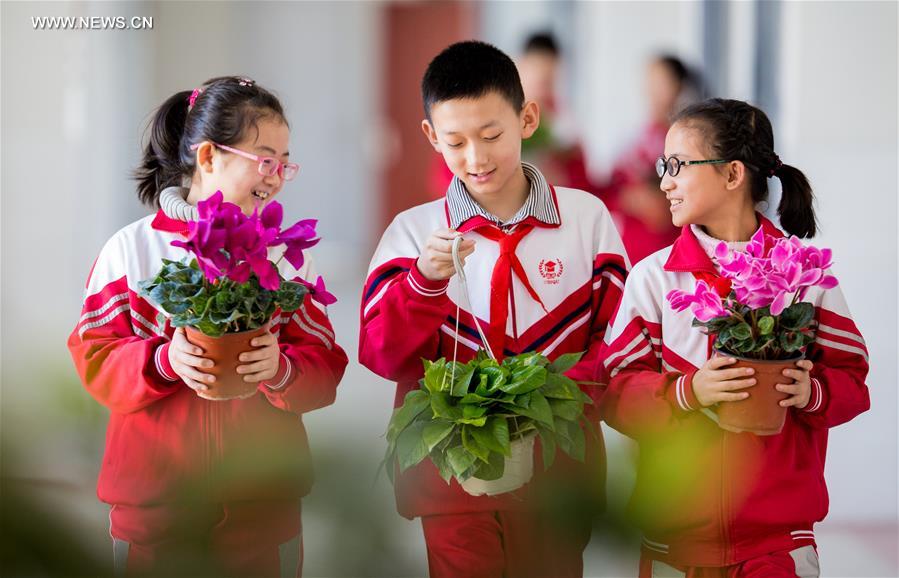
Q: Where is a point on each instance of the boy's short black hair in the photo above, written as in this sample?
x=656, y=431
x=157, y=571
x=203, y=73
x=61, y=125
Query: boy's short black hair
x=471, y=69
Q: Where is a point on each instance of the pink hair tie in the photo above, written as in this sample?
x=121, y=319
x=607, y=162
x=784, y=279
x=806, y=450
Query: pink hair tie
x=193, y=98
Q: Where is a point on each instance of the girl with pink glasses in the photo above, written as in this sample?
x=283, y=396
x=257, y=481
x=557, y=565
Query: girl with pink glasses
x=199, y=487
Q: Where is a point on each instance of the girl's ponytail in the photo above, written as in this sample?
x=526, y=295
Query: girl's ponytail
x=797, y=214
x=736, y=130
x=161, y=165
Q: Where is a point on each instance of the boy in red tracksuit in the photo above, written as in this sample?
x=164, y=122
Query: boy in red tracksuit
x=545, y=268
x=712, y=503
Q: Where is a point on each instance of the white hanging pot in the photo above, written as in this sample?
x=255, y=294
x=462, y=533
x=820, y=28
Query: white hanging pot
x=518, y=471
x=519, y=466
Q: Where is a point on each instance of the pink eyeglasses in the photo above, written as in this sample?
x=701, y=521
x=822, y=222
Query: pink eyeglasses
x=268, y=166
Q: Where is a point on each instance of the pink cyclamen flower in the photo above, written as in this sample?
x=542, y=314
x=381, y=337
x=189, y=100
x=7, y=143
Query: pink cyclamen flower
x=298, y=237
x=704, y=302
x=771, y=271
x=318, y=292
x=227, y=243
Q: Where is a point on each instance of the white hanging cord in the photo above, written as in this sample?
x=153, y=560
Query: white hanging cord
x=460, y=271
x=463, y=282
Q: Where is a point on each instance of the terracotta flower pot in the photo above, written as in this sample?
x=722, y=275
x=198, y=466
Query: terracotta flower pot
x=518, y=470
x=761, y=412
x=224, y=351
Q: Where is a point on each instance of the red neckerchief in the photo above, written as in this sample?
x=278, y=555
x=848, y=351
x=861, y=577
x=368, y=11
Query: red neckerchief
x=506, y=264
x=501, y=281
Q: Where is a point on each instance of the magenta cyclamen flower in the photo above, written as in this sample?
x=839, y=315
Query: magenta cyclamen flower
x=229, y=244
x=704, y=302
x=298, y=238
x=318, y=292
x=773, y=271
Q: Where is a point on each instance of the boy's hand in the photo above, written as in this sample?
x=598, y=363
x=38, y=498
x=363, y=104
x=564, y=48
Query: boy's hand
x=801, y=391
x=265, y=359
x=436, y=260
x=713, y=383
x=185, y=360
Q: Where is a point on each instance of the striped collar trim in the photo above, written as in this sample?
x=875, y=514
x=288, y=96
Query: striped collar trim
x=540, y=204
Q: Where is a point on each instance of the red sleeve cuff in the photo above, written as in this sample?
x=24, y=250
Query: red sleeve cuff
x=680, y=393
x=161, y=358
x=816, y=400
x=282, y=378
x=424, y=286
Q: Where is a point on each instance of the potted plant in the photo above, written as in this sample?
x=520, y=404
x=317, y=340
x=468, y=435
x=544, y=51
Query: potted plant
x=226, y=295
x=477, y=421
x=757, y=314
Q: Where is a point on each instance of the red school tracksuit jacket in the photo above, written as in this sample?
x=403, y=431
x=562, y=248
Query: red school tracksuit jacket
x=705, y=496
x=572, y=261
x=164, y=444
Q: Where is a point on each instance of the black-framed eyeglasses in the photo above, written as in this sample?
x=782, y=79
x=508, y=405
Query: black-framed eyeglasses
x=672, y=165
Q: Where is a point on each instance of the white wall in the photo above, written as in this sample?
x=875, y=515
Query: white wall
x=615, y=41
x=839, y=120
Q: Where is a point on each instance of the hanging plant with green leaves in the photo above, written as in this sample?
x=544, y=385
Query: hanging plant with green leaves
x=465, y=416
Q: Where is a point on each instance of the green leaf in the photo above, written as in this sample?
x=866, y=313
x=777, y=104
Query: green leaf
x=491, y=470
x=435, y=432
x=497, y=378
x=209, y=328
x=460, y=460
x=415, y=402
x=441, y=404
x=797, y=316
x=494, y=435
x=443, y=467
x=568, y=410
x=472, y=411
x=565, y=362
x=523, y=400
x=741, y=332
x=474, y=421
x=766, y=325
x=483, y=387
x=410, y=446
x=559, y=387
x=792, y=341
x=570, y=438
x=539, y=409
x=526, y=379
x=743, y=346
x=289, y=296
x=464, y=373
x=226, y=317
x=473, y=398
x=472, y=445
x=435, y=375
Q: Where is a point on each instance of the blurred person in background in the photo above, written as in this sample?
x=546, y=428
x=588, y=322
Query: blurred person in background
x=201, y=487
x=632, y=192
